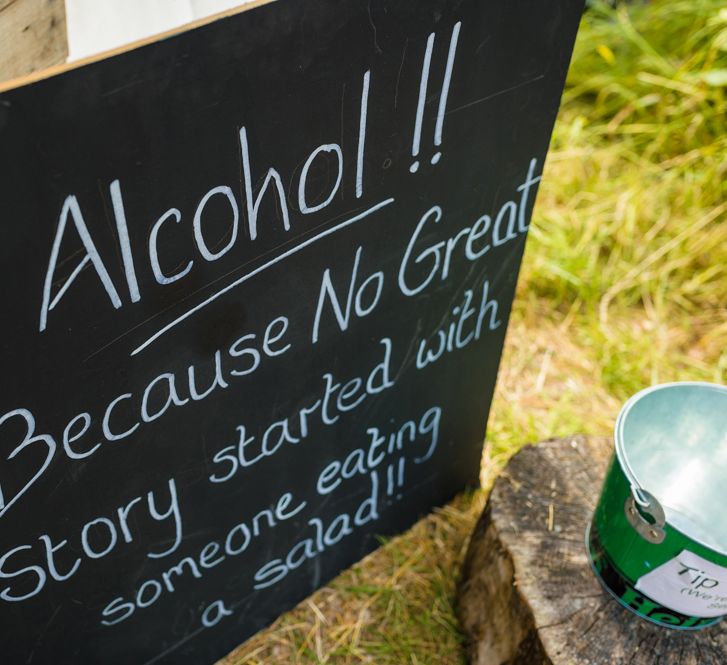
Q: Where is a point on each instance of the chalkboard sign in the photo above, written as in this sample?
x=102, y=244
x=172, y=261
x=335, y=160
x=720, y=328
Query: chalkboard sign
x=256, y=278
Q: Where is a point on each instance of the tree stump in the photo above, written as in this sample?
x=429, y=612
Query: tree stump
x=528, y=595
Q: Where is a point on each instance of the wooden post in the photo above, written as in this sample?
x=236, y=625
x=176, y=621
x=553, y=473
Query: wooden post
x=528, y=595
x=32, y=36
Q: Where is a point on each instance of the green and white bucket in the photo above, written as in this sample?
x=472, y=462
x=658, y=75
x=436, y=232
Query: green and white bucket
x=658, y=538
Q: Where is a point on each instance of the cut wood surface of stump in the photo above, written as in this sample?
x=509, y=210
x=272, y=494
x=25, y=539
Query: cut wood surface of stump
x=528, y=595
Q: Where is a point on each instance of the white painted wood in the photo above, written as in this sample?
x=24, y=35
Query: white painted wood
x=95, y=26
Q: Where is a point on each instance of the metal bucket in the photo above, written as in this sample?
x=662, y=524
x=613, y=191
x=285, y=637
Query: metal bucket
x=658, y=538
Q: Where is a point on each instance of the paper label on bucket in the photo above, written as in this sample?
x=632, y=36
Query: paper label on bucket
x=688, y=584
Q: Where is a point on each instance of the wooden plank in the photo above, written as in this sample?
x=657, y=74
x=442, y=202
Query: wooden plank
x=32, y=36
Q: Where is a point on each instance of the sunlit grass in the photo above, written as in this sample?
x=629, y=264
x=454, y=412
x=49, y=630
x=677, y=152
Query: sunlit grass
x=624, y=284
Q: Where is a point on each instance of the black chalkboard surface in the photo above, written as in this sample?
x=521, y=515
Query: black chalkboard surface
x=255, y=284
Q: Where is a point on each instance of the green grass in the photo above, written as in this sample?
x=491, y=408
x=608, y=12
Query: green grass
x=637, y=180
x=628, y=247
x=636, y=187
x=624, y=284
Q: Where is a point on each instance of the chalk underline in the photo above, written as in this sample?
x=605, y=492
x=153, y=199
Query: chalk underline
x=259, y=269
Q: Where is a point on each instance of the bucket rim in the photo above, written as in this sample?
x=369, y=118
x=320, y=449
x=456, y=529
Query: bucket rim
x=623, y=459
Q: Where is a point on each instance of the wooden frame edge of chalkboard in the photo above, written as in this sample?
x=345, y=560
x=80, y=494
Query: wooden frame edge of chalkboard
x=53, y=70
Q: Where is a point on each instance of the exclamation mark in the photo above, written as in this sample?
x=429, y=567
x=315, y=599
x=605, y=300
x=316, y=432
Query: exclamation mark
x=400, y=479
x=420, y=106
x=395, y=478
x=445, y=90
x=423, y=84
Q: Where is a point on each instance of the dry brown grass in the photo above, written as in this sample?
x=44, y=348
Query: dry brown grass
x=396, y=606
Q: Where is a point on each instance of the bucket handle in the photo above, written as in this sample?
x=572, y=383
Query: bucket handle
x=642, y=503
